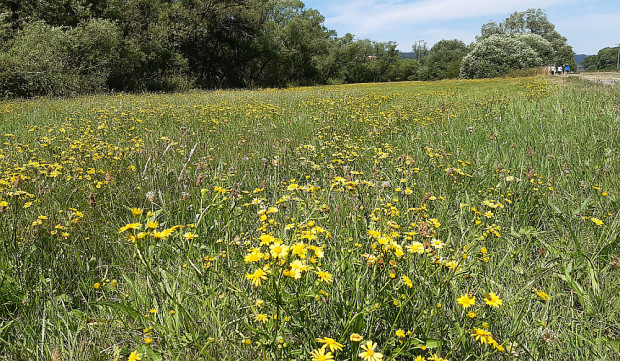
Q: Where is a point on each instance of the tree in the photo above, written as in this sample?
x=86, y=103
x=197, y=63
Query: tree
x=443, y=60
x=533, y=21
x=540, y=45
x=295, y=38
x=405, y=69
x=605, y=59
x=496, y=55
x=490, y=28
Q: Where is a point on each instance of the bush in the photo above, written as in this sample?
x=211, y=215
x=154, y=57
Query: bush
x=498, y=54
x=94, y=52
x=50, y=60
x=443, y=61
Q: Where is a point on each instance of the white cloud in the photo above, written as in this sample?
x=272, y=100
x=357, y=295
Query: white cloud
x=367, y=16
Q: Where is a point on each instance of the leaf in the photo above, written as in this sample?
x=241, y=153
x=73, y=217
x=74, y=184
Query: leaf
x=359, y=323
x=129, y=311
x=582, y=206
x=433, y=343
x=611, y=343
x=595, y=286
x=152, y=354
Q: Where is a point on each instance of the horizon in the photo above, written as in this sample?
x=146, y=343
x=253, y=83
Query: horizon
x=588, y=27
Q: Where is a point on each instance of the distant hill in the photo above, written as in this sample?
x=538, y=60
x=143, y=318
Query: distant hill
x=409, y=55
x=579, y=58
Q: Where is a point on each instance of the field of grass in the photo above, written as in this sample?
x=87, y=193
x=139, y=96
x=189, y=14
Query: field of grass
x=456, y=220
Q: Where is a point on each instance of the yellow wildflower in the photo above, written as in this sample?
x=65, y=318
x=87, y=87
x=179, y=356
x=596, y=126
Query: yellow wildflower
x=492, y=299
x=369, y=353
x=330, y=343
x=466, y=301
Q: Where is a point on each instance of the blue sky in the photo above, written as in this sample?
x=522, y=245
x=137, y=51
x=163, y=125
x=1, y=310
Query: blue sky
x=589, y=25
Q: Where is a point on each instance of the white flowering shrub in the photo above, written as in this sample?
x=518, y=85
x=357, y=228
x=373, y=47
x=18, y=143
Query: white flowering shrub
x=498, y=54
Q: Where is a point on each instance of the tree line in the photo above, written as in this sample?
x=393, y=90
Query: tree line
x=605, y=59
x=66, y=47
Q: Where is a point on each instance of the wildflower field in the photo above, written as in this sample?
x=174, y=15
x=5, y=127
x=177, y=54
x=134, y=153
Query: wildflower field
x=454, y=220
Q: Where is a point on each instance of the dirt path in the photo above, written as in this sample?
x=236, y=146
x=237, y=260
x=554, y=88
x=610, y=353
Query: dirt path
x=602, y=77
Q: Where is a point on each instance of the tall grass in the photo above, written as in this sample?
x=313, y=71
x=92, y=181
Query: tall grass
x=280, y=224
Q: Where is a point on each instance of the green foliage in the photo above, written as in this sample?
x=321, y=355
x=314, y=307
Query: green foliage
x=37, y=62
x=464, y=187
x=534, y=21
x=540, y=45
x=443, y=60
x=354, y=61
x=167, y=45
x=50, y=60
x=605, y=59
x=86, y=46
x=498, y=54
x=406, y=69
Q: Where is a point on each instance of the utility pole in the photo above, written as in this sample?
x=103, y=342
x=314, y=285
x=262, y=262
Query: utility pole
x=420, y=50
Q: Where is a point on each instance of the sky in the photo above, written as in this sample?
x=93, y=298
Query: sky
x=588, y=25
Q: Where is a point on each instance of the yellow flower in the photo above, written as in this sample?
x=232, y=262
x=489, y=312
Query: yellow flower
x=299, y=265
x=135, y=356
x=471, y=314
x=400, y=333
x=321, y=355
x=543, y=296
x=130, y=226
x=97, y=285
x=419, y=358
x=325, y=276
x=416, y=247
x=492, y=299
x=299, y=249
x=466, y=301
x=330, y=343
x=148, y=340
x=483, y=336
x=436, y=357
x=597, y=221
x=136, y=211
x=369, y=353
x=189, y=236
x=407, y=281
x=278, y=250
x=254, y=256
x=261, y=318
x=152, y=224
x=356, y=337
x=438, y=244
x=256, y=277
x=265, y=239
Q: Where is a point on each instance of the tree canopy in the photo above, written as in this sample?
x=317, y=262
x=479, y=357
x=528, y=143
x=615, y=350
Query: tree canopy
x=605, y=59
x=525, y=39
x=443, y=60
x=63, y=47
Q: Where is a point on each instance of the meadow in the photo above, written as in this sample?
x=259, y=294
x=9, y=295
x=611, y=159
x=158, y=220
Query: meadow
x=452, y=220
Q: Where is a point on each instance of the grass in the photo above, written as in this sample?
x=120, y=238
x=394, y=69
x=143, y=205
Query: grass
x=278, y=224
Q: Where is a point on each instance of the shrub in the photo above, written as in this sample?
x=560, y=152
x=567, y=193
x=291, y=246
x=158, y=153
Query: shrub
x=497, y=55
